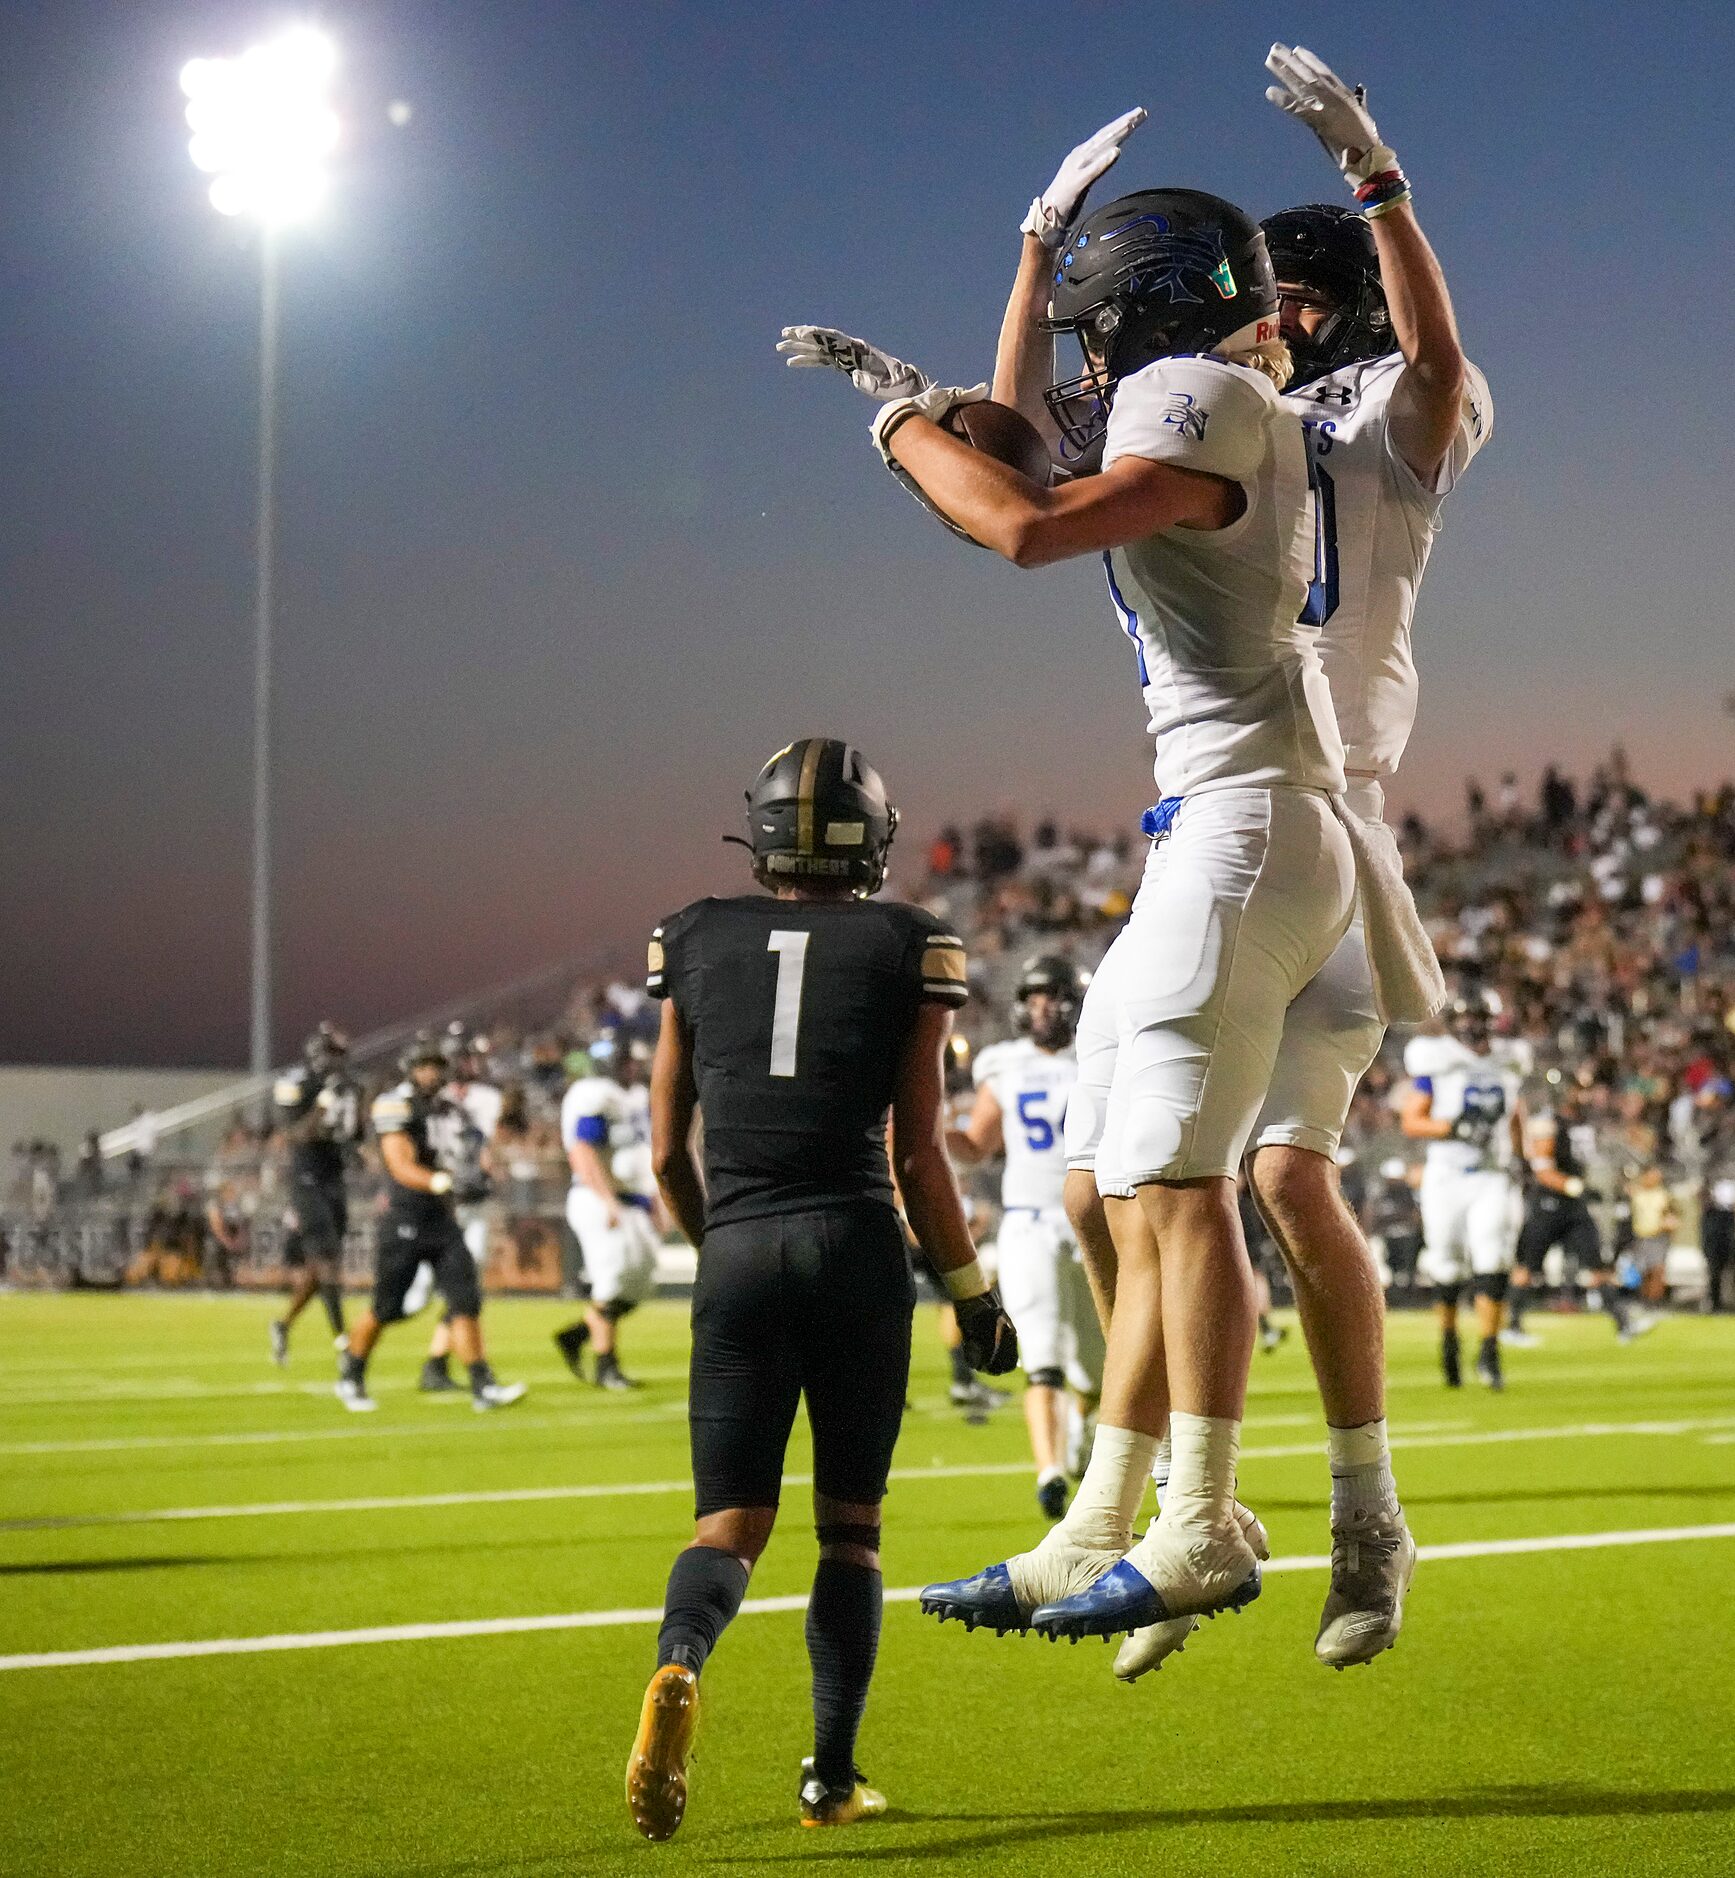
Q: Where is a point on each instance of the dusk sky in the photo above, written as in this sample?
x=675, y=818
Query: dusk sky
x=566, y=551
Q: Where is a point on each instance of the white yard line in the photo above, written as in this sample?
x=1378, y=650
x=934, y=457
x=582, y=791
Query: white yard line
x=1451, y=1436
x=648, y=1614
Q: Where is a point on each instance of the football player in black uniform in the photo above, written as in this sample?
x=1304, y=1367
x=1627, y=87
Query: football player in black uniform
x=319, y=1110
x=793, y=1024
x=417, y=1127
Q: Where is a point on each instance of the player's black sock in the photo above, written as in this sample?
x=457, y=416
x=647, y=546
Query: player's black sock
x=843, y=1637
x=331, y=1296
x=1488, y=1357
x=706, y=1587
x=438, y=1366
x=1515, y=1303
x=481, y=1374
x=606, y=1364
x=355, y=1369
x=963, y=1376
x=1449, y=1360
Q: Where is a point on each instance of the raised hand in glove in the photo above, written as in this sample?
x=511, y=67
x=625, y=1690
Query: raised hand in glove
x=1051, y=213
x=985, y=1331
x=870, y=370
x=1311, y=92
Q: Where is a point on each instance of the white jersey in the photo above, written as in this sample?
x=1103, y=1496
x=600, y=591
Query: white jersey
x=1231, y=677
x=617, y=1123
x=1376, y=526
x=1032, y=1087
x=481, y=1101
x=1463, y=1084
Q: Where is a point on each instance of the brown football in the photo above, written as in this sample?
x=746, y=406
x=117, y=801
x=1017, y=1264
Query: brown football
x=1004, y=434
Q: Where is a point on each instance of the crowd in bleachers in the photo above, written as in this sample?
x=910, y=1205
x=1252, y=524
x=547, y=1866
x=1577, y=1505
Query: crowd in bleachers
x=1602, y=918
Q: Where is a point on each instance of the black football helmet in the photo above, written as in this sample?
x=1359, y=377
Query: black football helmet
x=1471, y=1017
x=426, y=1046
x=1059, y=979
x=818, y=811
x=1330, y=249
x=326, y=1050
x=1148, y=276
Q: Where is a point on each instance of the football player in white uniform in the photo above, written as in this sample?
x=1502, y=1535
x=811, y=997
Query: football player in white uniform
x=479, y=1103
x=612, y=1205
x=1019, y=1112
x=1203, y=513
x=1464, y=1102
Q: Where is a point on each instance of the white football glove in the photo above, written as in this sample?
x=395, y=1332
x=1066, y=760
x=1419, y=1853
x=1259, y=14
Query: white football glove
x=1310, y=91
x=870, y=370
x=1052, y=211
x=933, y=404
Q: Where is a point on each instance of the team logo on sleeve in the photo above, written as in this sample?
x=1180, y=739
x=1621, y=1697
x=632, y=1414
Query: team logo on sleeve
x=1182, y=415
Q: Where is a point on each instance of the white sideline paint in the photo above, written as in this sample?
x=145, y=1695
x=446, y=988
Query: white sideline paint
x=1452, y=1435
x=755, y=1607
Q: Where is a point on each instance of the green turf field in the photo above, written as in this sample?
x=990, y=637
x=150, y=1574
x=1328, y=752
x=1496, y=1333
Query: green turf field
x=1563, y=1710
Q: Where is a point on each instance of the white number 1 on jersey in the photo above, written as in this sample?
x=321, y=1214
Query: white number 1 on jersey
x=791, y=950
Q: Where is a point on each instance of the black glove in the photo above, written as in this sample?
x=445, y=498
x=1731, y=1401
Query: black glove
x=989, y=1341
x=472, y=1191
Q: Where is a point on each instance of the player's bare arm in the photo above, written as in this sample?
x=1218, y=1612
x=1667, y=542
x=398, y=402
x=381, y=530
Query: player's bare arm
x=1545, y=1168
x=589, y=1168
x=1418, y=1120
x=1023, y=360
x=399, y=1155
x=982, y=1136
x=1427, y=405
x=1034, y=527
x=918, y=1141
x=674, y=1103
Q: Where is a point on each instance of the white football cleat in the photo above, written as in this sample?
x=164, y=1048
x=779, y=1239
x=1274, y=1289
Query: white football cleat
x=1372, y=1562
x=354, y=1397
x=1146, y=1649
x=497, y=1395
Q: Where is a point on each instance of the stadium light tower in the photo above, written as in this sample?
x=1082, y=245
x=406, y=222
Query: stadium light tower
x=263, y=128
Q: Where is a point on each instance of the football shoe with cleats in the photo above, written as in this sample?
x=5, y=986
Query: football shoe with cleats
x=1002, y=1597
x=1174, y=1571
x=657, y=1766
x=1372, y=1561
x=837, y=1806
x=1148, y=1646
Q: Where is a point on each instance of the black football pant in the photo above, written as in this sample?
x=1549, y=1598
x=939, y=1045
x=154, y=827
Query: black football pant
x=813, y=1305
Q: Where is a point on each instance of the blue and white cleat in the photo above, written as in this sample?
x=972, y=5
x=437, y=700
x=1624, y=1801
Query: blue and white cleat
x=1151, y=1646
x=1170, y=1574
x=987, y=1598
x=1003, y=1596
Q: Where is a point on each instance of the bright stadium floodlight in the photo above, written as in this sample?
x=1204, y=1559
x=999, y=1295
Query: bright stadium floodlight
x=263, y=126
x=263, y=129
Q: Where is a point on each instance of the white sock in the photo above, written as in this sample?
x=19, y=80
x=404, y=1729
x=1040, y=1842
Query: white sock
x=1201, y=1488
x=1361, y=1473
x=1107, y=1501
x=1160, y=1468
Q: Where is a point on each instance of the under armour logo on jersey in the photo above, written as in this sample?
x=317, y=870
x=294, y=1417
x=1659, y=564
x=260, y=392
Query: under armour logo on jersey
x=1182, y=413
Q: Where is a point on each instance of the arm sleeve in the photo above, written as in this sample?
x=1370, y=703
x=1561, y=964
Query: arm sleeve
x=1198, y=414
x=289, y=1096
x=390, y=1113
x=942, y=970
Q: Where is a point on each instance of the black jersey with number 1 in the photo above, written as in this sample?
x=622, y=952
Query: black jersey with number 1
x=798, y=1013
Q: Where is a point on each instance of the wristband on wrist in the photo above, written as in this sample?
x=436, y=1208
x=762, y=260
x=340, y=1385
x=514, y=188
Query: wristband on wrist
x=964, y=1282
x=1383, y=192
x=440, y=1182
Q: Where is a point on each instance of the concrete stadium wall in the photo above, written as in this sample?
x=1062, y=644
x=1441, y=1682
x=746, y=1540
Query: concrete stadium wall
x=61, y=1105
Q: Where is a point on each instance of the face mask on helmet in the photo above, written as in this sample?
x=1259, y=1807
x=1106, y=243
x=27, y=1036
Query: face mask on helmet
x=817, y=812
x=1150, y=276
x=1045, y=1006
x=1329, y=251
x=1471, y=1019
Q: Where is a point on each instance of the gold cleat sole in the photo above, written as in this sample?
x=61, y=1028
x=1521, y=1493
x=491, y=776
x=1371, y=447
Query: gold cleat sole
x=863, y=1802
x=657, y=1768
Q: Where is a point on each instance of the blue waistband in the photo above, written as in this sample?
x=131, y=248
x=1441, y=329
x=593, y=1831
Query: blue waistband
x=1157, y=821
x=641, y=1200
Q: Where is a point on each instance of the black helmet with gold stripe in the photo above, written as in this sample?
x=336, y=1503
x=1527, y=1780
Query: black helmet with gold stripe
x=818, y=811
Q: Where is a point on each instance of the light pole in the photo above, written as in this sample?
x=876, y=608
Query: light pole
x=263, y=128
